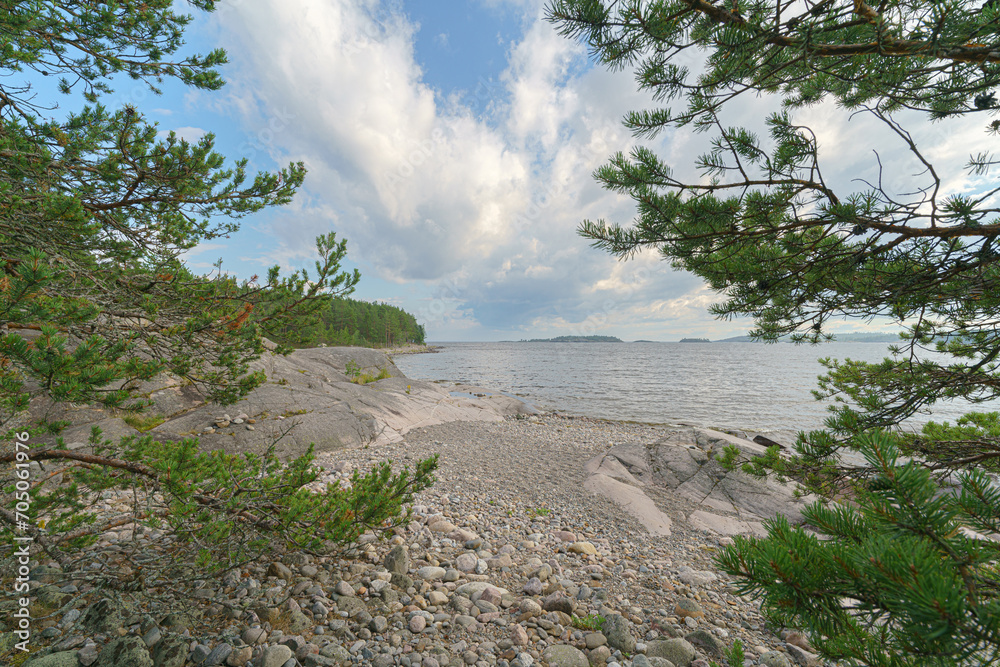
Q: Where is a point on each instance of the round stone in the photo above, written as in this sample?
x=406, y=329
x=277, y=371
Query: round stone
x=687, y=607
x=275, y=656
x=431, y=573
x=583, y=548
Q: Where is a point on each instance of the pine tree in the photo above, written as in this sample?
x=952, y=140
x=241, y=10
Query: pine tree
x=899, y=583
x=96, y=210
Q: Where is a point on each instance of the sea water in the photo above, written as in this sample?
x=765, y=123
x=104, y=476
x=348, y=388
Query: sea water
x=752, y=386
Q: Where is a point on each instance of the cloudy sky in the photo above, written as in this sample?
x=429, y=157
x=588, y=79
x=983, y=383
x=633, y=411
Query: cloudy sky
x=452, y=143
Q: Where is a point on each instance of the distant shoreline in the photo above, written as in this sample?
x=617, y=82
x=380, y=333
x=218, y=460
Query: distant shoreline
x=839, y=338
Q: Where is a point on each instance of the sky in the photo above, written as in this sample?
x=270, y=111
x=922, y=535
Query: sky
x=453, y=144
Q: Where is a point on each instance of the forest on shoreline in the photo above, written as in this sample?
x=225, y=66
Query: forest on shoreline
x=349, y=322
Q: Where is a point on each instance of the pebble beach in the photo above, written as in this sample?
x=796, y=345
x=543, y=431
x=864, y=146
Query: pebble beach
x=509, y=561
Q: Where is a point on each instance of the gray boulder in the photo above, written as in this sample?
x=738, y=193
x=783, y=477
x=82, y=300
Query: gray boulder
x=60, y=659
x=171, y=651
x=397, y=561
x=105, y=616
x=128, y=651
x=616, y=629
x=563, y=655
x=275, y=656
x=774, y=659
x=678, y=651
x=707, y=642
x=642, y=661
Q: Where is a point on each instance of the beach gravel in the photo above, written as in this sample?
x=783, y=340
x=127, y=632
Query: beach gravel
x=508, y=561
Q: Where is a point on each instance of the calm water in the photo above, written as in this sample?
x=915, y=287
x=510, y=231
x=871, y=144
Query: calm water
x=739, y=385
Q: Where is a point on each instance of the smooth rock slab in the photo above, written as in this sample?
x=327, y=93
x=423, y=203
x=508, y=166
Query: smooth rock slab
x=724, y=525
x=563, y=655
x=632, y=500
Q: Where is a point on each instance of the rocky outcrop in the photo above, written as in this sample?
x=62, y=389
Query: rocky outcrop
x=309, y=397
x=684, y=461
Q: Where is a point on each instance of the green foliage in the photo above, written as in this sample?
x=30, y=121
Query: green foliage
x=734, y=656
x=357, y=376
x=593, y=622
x=348, y=322
x=897, y=582
x=98, y=210
x=763, y=226
x=781, y=244
x=143, y=422
x=216, y=510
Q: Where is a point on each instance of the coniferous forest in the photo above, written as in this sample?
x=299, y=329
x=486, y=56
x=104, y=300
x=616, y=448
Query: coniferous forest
x=345, y=321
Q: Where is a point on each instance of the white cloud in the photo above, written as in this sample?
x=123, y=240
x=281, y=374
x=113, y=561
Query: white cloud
x=478, y=196
x=424, y=188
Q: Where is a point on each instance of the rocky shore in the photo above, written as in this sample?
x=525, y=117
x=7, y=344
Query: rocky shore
x=529, y=550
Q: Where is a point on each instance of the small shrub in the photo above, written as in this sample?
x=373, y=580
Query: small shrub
x=215, y=511
x=143, y=422
x=593, y=622
x=365, y=378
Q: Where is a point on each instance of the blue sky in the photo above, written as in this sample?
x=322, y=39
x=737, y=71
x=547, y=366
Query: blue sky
x=452, y=144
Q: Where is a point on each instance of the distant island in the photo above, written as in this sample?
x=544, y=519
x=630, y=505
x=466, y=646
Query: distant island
x=875, y=337
x=695, y=340
x=575, y=339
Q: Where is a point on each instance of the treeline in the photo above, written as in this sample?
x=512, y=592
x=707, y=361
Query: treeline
x=345, y=321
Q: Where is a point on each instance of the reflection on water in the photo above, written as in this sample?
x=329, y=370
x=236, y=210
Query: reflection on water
x=738, y=385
